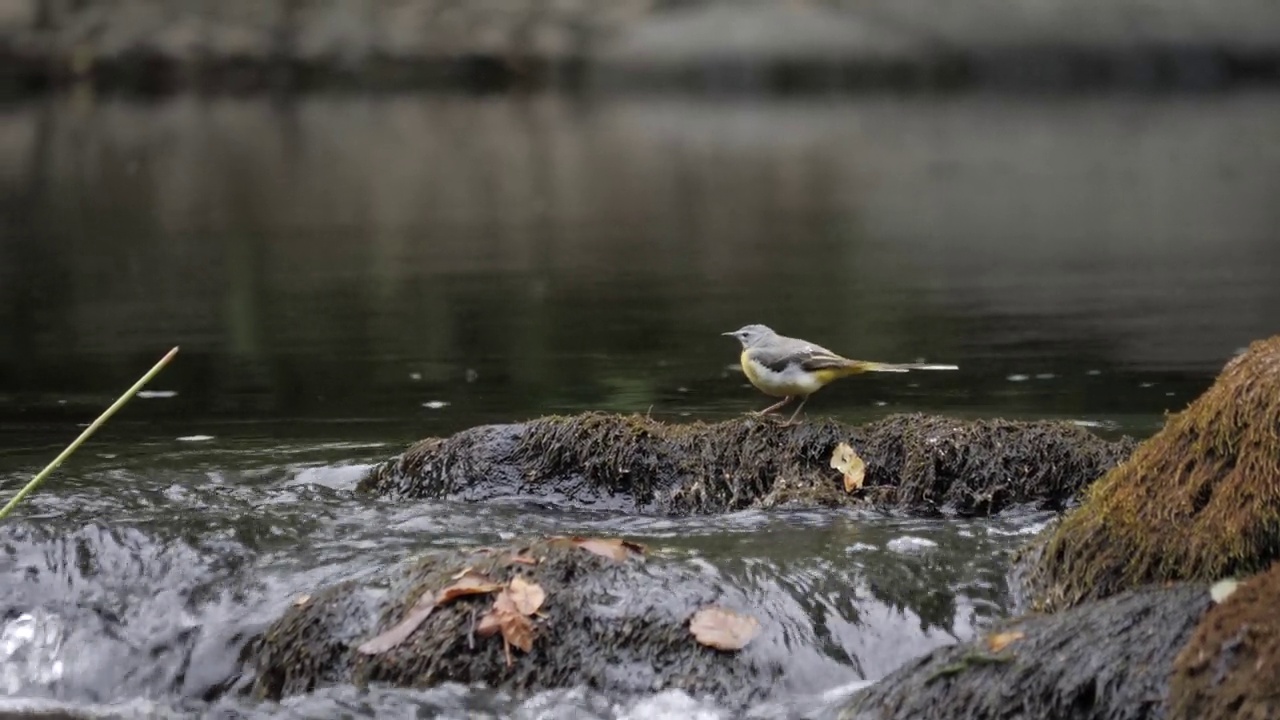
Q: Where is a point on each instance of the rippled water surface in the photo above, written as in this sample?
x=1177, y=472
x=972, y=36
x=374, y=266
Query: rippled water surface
x=346, y=275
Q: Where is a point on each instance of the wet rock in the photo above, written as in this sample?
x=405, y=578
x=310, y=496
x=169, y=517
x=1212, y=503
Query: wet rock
x=1106, y=660
x=917, y=463
x=616, y=626
x=1197, y=501
x=1231, y=666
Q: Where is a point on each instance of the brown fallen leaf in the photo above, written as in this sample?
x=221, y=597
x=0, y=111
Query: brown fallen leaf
x=488, y=624
x=526, y=596
x=1000, y=641
x=723, y=629
x=522, y=559
x=505, y=617
x=615, y=549
x=399, y=632
x=850, y=465
x=462, y=573
x=471, y=583
x=518, y=630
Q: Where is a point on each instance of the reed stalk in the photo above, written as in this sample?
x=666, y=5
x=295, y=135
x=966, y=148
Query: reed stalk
x=93, y=426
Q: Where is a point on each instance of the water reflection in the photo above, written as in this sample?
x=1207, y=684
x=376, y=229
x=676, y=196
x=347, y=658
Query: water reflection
x=445, y=260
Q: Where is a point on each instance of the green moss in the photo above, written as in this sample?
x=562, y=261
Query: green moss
x=1199, y=500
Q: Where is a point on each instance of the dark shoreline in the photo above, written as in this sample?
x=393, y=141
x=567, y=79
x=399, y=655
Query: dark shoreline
x=1033, y=68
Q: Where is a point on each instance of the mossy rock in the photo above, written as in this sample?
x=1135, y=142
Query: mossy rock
x=917, y=463
x=1199, y=500
x=618, y=626
x=1109, y=660
x=1230, y=669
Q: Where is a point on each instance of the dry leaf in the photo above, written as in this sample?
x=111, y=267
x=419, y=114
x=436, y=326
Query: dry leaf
x=471, y=583
x=1000, y=641
x=397, y=634
x=526, y=596
x=462, y=573
x=301, y=600
x=505, y=616
x=613, y=548
x=517, y=630
x=522, y=559
x=488, y=624
x=850, y=465
x=723, y=629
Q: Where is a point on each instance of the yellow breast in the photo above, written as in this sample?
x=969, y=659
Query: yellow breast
x=790, y=382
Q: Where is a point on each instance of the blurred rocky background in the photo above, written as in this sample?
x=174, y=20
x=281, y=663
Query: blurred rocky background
x=230, y=44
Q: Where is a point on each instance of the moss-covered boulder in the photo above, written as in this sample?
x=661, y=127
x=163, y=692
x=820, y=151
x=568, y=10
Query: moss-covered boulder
x=1200, y=500
x=1230, y=669
x=1109, y=660
x=916, y=463
x=616, y=624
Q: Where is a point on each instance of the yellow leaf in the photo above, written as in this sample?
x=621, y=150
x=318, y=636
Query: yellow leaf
x=850, y=465
x=1000, y=641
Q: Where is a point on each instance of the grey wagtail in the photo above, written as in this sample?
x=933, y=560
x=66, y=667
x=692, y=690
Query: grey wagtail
x=790, y=368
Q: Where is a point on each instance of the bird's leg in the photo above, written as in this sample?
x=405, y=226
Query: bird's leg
x=773, y=407
x=792, y=419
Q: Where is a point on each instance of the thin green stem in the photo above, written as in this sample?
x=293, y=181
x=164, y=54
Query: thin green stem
x=119, y=403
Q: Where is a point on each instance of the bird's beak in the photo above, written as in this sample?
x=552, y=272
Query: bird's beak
x=729, y=334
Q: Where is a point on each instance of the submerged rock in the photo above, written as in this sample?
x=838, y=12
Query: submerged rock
x=1231, y=666
x=1197, y=501
x=619, y=626
x=917, y=463
x=1106, y=660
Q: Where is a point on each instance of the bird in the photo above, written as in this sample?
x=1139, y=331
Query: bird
x=790, y=368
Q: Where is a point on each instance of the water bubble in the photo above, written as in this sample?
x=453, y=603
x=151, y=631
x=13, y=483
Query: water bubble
x=195, y=438
x=909, y=543
x=435, y=404
x=150, y=394
x=29, y=648
x=1018, y=377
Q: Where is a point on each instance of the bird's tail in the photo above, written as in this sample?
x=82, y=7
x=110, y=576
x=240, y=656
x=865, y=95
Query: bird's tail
x=865, y=366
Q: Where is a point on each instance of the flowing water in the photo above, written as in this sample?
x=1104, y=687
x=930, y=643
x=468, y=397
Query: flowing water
x=348, y=274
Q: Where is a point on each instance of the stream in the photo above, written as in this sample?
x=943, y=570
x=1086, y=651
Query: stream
x=346, y=275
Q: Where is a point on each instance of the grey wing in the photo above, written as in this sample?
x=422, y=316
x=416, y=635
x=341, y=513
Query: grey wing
x=785, y=352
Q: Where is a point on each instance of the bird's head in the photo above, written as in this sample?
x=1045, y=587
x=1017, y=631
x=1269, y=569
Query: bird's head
x=749, y=335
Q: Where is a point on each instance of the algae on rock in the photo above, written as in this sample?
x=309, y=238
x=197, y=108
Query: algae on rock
x=599, y=616
x=1109, y=660
x=1199, y=500
x=917, y=463
x=1231, y=666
